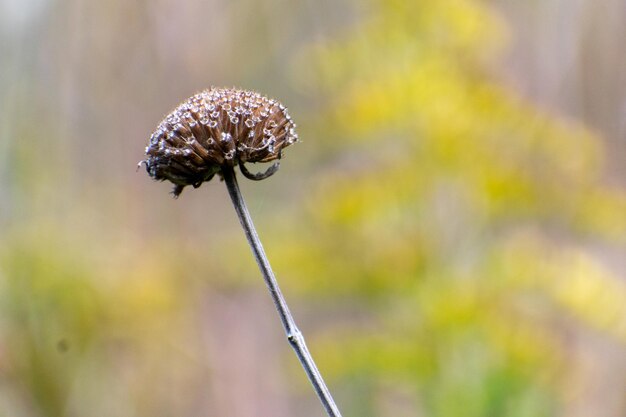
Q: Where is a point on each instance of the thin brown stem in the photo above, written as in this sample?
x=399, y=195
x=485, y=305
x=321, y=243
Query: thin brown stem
x=294, y=336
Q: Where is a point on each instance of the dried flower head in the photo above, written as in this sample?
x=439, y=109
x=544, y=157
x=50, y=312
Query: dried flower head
x=215, y=128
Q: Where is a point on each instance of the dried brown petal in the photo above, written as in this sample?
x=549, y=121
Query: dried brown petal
x=216, y=128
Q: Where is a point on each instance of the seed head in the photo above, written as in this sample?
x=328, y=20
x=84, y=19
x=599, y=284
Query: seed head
x=219, y=127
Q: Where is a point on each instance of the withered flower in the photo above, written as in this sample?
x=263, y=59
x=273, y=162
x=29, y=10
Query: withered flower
x=212, y=132
x=216, y=128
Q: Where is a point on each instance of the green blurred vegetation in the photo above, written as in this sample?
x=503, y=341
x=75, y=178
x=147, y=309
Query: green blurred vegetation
x=445, y=241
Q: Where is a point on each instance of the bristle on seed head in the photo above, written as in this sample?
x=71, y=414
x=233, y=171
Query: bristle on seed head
x=219, y=127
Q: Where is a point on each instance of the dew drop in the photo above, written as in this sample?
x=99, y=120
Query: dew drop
x=226, y=137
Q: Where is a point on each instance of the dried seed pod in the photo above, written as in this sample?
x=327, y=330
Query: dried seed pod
x=215, y=128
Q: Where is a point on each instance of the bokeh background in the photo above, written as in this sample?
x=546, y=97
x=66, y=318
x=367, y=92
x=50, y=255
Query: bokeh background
x=450, y=232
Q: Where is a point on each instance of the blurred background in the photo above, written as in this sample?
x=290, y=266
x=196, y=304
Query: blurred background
x=450, y=232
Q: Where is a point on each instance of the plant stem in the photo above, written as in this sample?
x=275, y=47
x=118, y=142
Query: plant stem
x=294, y=336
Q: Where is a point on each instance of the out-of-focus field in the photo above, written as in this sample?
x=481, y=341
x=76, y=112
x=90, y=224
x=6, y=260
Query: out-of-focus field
x=450, y=232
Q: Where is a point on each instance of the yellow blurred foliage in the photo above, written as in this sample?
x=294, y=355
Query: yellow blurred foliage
x=465, y=230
